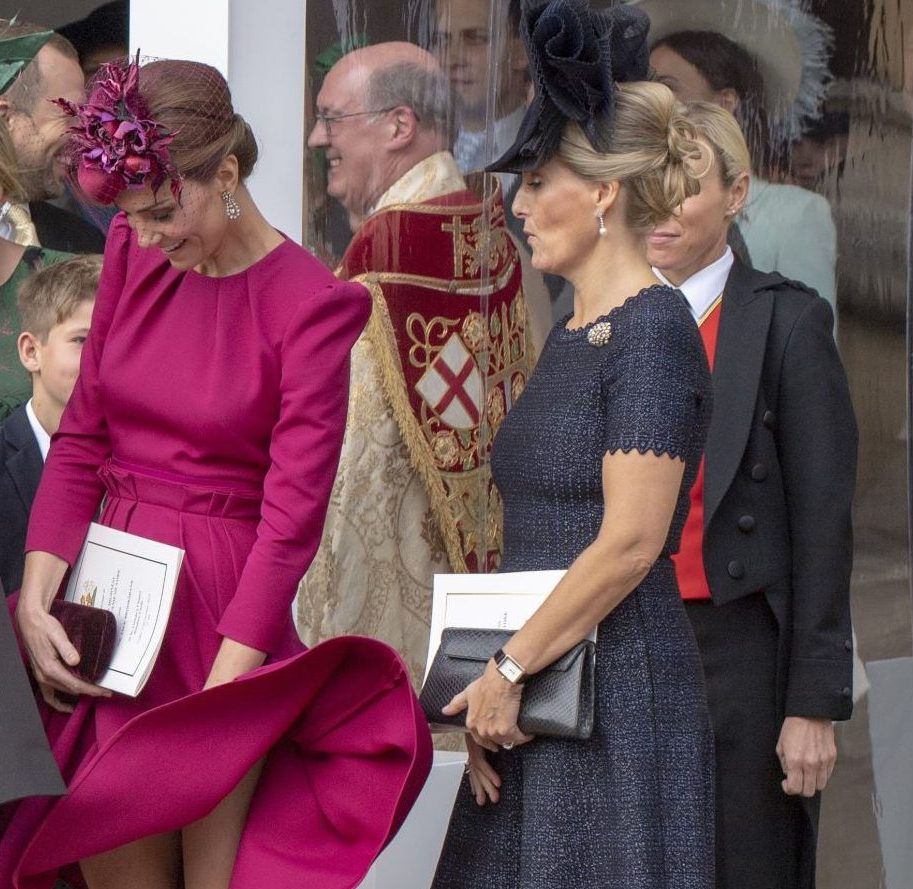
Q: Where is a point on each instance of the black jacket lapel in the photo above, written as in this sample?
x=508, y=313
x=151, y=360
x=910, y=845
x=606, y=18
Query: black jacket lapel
x=23, y=461
x=742, y=340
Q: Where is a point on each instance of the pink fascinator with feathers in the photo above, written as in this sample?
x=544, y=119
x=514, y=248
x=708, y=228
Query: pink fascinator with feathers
x=114, y=143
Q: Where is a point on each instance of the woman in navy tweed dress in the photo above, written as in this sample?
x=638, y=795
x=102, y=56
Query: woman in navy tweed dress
x=594, y=464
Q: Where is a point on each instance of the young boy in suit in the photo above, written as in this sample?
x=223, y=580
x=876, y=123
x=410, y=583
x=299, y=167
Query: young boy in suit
x=55, y=307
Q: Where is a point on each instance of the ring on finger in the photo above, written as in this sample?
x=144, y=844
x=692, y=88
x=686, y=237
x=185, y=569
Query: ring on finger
x=508, y=746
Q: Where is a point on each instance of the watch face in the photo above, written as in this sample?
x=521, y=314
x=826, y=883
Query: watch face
x=510, y=670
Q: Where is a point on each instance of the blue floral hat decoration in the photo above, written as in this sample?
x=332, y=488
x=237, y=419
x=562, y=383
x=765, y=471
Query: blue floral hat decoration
x=576, y=56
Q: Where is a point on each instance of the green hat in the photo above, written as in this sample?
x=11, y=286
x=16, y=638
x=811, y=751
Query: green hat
x=335, y=51
x=16, y=53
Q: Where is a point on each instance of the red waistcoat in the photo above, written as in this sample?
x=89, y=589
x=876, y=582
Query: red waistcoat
x=689, y=560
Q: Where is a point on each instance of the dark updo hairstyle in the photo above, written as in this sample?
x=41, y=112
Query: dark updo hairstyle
x=726, y=65
x=193, y=101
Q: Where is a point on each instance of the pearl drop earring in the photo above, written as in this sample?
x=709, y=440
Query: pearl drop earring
x=602, y=228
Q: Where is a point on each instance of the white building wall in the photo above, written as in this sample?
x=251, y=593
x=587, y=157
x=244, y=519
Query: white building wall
x=259, y=46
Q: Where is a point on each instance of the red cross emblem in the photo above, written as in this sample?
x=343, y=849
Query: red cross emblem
x=452, y=386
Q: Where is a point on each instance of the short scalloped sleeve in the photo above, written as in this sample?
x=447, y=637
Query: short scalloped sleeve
x=655, y=381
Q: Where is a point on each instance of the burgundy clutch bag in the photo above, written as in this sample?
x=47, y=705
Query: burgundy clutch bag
x=92, y=631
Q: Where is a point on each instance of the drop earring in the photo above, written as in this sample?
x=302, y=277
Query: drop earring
x=602, y=228
x=232, y=207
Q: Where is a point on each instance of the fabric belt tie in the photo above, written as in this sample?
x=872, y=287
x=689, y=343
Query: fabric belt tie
x=180, y=494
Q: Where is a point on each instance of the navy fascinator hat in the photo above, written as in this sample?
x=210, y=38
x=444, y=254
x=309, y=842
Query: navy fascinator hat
x=576, y=55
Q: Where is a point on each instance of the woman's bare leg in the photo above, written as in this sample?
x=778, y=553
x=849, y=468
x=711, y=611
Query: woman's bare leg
x=150, y=863
x=211, y=844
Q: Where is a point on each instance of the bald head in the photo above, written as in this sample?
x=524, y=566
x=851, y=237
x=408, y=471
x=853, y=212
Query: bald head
x=370, y=59
x=382, y=109
x=398, y=74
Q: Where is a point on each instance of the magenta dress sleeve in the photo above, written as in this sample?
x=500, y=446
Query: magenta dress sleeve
x=304, y=453
x=70, y=489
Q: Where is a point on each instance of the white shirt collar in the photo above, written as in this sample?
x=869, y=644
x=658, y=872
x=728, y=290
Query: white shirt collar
x=41, y=436
x=704, y=287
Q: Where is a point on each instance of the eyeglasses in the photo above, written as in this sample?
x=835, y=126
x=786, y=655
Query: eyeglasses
x=329, y=119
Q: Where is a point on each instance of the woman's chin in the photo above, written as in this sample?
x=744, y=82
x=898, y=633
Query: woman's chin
x=540, y=263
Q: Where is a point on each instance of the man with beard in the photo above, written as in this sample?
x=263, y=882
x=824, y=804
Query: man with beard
x=48, y=69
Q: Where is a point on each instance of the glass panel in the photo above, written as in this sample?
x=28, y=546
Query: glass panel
x=449, y=346
x=857, y=158
x=864, y=171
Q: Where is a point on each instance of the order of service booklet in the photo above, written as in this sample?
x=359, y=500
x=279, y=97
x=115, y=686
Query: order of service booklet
x=487, y=601
x=134, y=578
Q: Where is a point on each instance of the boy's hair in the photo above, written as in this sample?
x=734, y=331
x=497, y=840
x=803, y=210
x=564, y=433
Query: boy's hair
x=50, y=296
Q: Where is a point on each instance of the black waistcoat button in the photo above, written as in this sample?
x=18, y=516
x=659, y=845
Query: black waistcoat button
x=746, y=523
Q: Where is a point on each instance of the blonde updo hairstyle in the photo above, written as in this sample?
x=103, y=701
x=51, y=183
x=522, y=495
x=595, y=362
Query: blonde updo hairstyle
x=719, y=130
x=653, y=154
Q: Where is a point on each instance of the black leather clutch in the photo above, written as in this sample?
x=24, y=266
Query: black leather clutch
x=557, y=701
x=93, y=632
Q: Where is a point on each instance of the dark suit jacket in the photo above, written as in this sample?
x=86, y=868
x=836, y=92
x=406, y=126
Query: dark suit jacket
x=20, y=472
x=780, y=471
x=65, y=231
x=26, y=764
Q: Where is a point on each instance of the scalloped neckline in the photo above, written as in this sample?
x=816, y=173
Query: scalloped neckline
x=573, y=333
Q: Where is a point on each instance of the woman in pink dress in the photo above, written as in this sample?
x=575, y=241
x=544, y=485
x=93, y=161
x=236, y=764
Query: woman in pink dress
x=209, y=415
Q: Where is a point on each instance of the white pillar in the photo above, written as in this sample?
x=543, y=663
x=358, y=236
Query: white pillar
x=259, y=47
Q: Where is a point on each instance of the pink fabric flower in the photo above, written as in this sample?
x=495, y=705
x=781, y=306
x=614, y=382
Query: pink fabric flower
x=116, y=144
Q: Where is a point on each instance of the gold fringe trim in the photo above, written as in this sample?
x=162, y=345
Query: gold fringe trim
x=528, y=344
x=381, y=335
x=469, y=286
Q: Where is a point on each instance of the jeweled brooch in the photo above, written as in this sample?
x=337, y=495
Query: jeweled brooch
x=600, y=333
